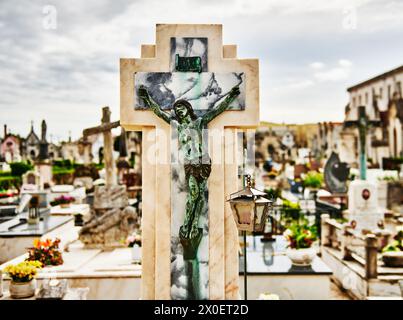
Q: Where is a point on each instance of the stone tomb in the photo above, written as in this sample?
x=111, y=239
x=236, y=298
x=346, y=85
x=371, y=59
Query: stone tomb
x=189, y=63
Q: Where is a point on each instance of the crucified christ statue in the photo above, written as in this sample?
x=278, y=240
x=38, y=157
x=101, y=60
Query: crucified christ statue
x=197, y=162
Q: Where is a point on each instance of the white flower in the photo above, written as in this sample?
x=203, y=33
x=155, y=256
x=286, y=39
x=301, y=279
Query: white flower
x=287, y=233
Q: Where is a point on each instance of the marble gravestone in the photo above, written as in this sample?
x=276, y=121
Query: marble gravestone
x=363, y=205
x=189, y=63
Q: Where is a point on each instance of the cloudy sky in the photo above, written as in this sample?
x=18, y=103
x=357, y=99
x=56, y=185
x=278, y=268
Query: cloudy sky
x=59, y=60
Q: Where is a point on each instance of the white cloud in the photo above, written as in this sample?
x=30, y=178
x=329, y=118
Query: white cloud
x=295, y=85
x=317, y=65
x=339, y=73
x=66, y=75
x=333, y=74
x=345, y=63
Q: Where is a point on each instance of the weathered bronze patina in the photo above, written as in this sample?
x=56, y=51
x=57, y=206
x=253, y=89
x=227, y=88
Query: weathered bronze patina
x=197, y=163
x=188, y=64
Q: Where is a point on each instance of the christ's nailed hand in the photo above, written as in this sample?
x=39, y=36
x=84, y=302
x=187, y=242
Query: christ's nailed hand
x=143, y=93
x=234, y=92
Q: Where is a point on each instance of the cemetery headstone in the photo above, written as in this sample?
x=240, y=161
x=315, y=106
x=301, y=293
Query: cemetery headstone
x=31, y=181
x=363, y=206
x=178, y=93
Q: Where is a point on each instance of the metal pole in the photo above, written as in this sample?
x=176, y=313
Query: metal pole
x=245, y=272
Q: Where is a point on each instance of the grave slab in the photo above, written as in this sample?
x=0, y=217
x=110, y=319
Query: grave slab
x=270, y=270
x=16, y=236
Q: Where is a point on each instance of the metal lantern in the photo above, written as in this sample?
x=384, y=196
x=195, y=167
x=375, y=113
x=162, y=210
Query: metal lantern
x=249, y=208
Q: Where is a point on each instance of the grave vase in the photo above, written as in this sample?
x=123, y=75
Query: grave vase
x=20, y=290
x=301, y=257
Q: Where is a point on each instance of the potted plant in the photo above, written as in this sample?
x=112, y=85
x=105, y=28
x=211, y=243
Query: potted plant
x=392, y=254
x=313, y=180
x=22, y=276
x=134, y=241
x=46, y=252
x=301, y=236
x=63, y=201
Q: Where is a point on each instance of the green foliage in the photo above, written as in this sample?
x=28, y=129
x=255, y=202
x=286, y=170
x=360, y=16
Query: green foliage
x=5, y=173
x=290, y=212
x=387, y=178
x=63, y=163
x=291, y=205
x=397, y=243
x=313, y=179
x=61, y=170
x=19, y=168
x=394, y=246
x=61, y=167
x=273, y=194
x=10, y=182
x=301, y=235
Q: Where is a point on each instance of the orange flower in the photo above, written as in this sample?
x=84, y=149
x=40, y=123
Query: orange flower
x=37, y=243
x=47, y=243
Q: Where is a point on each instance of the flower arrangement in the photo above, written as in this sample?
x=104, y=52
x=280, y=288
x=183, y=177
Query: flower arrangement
x=62, y=200
x=301, y=235
x=46, y=252
x=313, y=180
x=24, y=271
x=133, y=239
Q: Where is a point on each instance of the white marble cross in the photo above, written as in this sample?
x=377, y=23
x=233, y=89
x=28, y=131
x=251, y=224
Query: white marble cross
x=221, y=71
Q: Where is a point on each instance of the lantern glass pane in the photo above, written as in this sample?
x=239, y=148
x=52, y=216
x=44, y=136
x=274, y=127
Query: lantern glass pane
x=259, y=213
x=245, y=213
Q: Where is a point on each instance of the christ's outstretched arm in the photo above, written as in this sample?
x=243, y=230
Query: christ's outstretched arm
x=149, y=102
x=222, y=106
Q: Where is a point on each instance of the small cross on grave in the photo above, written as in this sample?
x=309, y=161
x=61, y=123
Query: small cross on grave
x=363, y=123
x=105, y=128
x=112, y=219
